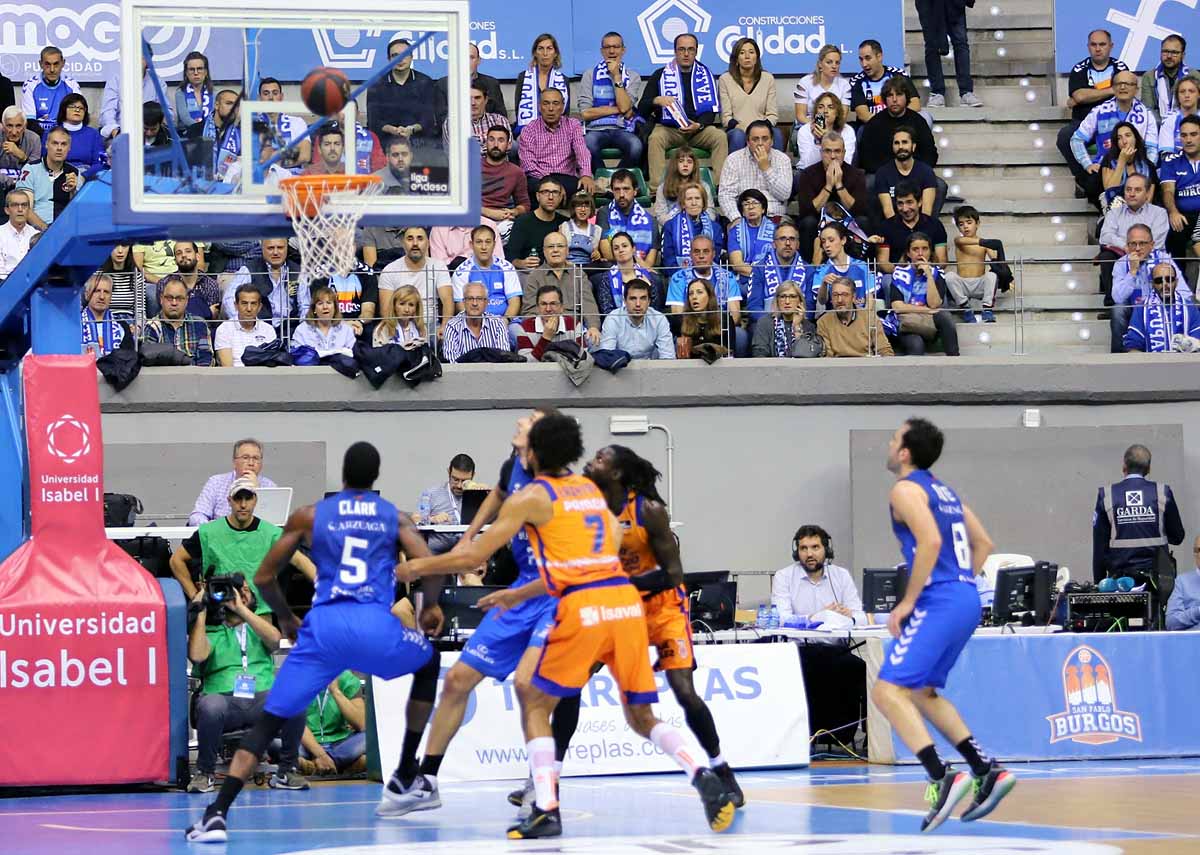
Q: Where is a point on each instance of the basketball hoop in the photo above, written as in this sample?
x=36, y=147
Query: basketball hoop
x=324, y=210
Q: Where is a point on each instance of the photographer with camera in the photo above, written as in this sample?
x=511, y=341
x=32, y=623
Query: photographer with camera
x=230, y=649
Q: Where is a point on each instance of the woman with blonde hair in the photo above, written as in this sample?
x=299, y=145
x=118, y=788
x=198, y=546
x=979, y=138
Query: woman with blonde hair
x=404, y=324
x=682, y=168
x=829, y=115
x=827, y=77
x=323, y=329
x=775, y=334
x=544, y=72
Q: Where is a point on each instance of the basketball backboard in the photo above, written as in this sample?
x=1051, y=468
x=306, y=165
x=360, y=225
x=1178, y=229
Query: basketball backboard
x=213, y=177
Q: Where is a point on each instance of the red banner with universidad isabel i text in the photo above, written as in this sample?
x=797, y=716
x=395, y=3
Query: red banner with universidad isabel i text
x=83, y=664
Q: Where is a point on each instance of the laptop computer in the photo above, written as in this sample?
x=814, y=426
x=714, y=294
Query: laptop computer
x=459, y=605
x=472, y=501
x=274, y=504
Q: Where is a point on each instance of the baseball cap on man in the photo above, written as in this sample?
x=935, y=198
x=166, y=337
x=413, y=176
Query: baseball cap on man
x=245, y=484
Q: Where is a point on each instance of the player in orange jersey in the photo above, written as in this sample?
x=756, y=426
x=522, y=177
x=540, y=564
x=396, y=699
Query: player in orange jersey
x=650, y=557
x=576, y=539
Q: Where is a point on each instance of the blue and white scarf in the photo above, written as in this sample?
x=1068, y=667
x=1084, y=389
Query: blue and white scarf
x=773, y=276
x=527, y=104
x=783, y=345
x=1164, y=90
x=200, y=108
x=685, y=232
x=106, y=333
x=227, y=147
x=1158, y=327
x=755, y=246
x=604, y=95
x=637, y=225
x=364, y=144
x=616, y=283
x=704, y=94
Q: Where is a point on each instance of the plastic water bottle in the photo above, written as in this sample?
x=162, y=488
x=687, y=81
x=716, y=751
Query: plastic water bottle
x=764, y=616
x=773, y=620
x=423, y=510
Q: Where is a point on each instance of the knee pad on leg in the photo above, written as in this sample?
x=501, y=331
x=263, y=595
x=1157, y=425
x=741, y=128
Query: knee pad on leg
x=424, y=685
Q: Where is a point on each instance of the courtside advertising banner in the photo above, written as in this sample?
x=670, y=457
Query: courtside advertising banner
x=83, y=664
x=1137, y=27
x=1077, y=696
x=755, y=692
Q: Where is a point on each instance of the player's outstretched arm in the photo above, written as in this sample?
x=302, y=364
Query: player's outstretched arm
x=299, y=526
x=530, y=505
x=981, y=544
x=511, y=597
x=414, y=547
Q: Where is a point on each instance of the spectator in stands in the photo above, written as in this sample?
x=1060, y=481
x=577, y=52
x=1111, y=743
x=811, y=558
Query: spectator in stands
x=608, y=286
x=234, y=336
x=1089, y=85
x=445, y=502
x=974, y=277
x=1154, y=324
x=636, y=328
x=417, y=269
x=397, y=175
x=174, y=326
x=498, y=277
x=829, y=116
x=582, y=234
x=323, y=329
x=231, y=657
x=875, y=145
x=452, y=244
x=110, y=106
x=838, y=263
x=544, y=73
x=848, y=329
x=894, y=232
x=1127, y=156
x=682, y=168
x=1131, y=281
x=331, y=152
x=942, y=20
x=481, y=120
x=194, y=97
x=750, y=237
x=827, y=77
x=1159, y=84
x=575, y=294
x=102, y=332
x=832, y=180
x=725, y=286
x=682, y=102
x=866, y=87
x=52, y=182
x=701, y=329
x=1187, y=103
x=625, y=215
x=335, y=739
x=204, y=294
x=401, y=104
x=129, y=286
x=760, y=167
x=474, y=327
x=17, y=232
x=213, y=501
x=1180, y=182
x=154, y=126
x=87, y=147
x=491, y=86
x=748, y=95
x=1183, y=606
x=530, y=230
x=404, y=322
x=505, y=188
x=691, y=222
x=538, y=331
x=552, y=146
x=780, y=263
x=905, y=168
x=157, y=259
x=368, y=151
x=775, y=333
x=42, y=93
x=223, y=127
x=608, y=96
x=1137, y=210
x=271, y=277
x=356, y=295
x=1097, y=127
x=285, y=129
x=811, y=587
x=18, y=146
x=917, y=291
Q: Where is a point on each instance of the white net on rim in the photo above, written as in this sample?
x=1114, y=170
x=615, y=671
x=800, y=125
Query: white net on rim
x=324, y=217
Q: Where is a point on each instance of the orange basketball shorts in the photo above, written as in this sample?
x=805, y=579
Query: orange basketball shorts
x=669, y=628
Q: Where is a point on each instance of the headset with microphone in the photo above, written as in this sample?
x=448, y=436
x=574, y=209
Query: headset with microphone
x=826, y=541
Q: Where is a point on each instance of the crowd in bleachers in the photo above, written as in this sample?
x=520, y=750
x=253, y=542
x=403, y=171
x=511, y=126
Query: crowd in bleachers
x=712, y=203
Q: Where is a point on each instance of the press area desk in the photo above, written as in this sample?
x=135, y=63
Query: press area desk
x=183, y=532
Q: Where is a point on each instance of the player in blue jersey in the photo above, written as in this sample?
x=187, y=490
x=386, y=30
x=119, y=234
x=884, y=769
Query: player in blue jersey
x=354, y=536
x=945, y=545
x=505, y=642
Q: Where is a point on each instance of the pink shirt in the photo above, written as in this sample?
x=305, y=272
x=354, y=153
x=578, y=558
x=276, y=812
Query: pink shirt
x=544, y=151
x=447, y=243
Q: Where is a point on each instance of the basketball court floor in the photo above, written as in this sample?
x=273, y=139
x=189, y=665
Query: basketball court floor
x=1141, y=807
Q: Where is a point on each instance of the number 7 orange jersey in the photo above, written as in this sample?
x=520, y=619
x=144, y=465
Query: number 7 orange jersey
x=581, y=542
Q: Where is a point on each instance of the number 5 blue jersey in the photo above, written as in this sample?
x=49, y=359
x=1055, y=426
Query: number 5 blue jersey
x=354, y=547
x=954, y=558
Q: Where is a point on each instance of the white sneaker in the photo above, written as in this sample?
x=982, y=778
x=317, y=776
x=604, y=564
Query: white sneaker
x=396, y=801
x=526, y=808
x=935, y=100
x=969, y=99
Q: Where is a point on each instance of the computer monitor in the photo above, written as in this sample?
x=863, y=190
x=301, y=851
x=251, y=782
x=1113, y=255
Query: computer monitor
x=712, y=604
x=705, y=577
x=460, y=605
x=883, y=587
x=1022, y=591
x=472, y=501
x=274, y=504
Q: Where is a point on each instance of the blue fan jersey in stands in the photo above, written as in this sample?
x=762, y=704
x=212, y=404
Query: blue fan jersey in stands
x=954, y=559
x=354, y=547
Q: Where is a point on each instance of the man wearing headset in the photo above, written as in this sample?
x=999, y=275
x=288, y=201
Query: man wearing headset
x=813, y=586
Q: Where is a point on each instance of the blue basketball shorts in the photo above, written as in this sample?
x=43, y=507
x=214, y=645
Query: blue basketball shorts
x=501, y=638
x=941, y=624
x=363, y=637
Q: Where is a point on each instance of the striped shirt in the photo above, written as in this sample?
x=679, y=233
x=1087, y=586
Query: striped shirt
x=562, y=150
x=213, y=501
x=459, y=339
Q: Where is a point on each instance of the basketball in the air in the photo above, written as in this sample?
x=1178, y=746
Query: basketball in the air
x=325, y=91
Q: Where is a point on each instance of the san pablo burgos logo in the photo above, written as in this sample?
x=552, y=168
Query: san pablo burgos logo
x=69, y=438
x=1090, y=691
x=346, y=48
x=1142, y=28
x=663, y=20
